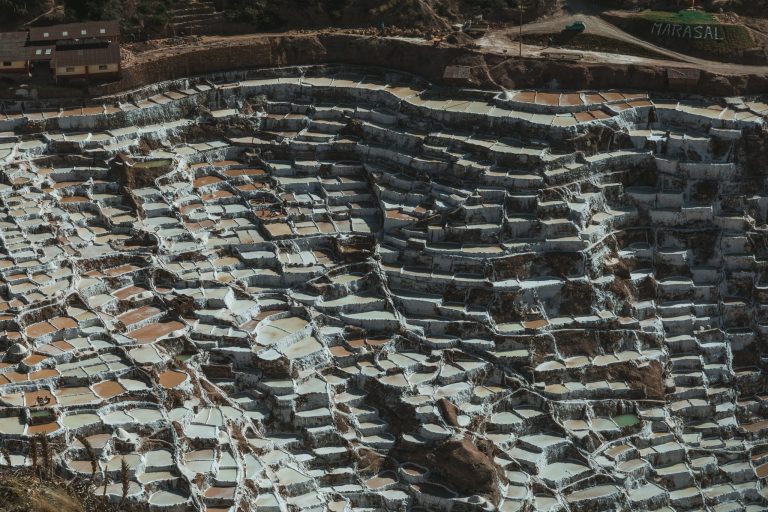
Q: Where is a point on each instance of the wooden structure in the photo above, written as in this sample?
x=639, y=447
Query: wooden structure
x=88, y=50
x=95, y=63
x=14, y=55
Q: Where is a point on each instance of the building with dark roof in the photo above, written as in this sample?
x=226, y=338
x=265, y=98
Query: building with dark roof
x=87, y=61
x=75, y=50
x=14, y=55
x=40, y=54
x=103, y=30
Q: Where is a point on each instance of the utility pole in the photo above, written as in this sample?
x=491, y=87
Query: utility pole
x=521, y=6
x=520, y=37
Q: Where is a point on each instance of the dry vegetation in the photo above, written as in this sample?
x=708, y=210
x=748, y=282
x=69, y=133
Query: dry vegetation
x=23, y=490
x=37, y=488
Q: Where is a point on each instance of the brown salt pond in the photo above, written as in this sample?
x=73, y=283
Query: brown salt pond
x=219, y=194
x=526, y=96
x=594, y=99
x=755, y=427
x=137, y=315
x=15, y=376
x=567, y=100
x=122, y=269
x=583, y=117
x=250, y=187
x=43, y=374
x=199, y=226
x=33, y=359
x=278, y=229
x=381, y=480
x=63, y=322
x=612, y=96
x=244, y=172
x=227, y=493
x=128, y=291
x=74, y=199
x=55, y=348
x=172, y=378
x=535, y=324
x=377, y=342
x=356, y=343
x=340, y=351
x=185, y=210
x=65, y=184
x=46, y=373
x=225, y=163
x=206, y=180
x=150, y=333
x=39, y=398
x=80, y=466
x=108, y=389
x=548, y=98
x=45, y=428
x=97, y=441
x=40, y=329
x=93, y=111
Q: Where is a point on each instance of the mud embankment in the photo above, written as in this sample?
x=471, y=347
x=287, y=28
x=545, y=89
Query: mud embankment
x=489, y=70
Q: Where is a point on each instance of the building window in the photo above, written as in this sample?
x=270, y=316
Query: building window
x=70, y=70
x=47, y=51
x=45, y=34
x=7, y=64
x=102, y=68
x=83, y=32
x=38, y=52
x=102, y=31
x=65, y=33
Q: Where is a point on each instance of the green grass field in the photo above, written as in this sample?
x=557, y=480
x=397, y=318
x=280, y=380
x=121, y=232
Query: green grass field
x=684, y=17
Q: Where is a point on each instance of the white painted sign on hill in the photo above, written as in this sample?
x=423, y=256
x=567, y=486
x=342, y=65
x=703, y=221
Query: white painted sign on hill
x=712, y=32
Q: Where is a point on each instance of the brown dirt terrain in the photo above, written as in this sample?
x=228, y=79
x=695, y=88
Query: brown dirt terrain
x=22, y=490
x=401, y=13
x=460, y=464
x=648, y=380
x=591, y=42
x=488, y=68
x=426, y=14
x=449, y=412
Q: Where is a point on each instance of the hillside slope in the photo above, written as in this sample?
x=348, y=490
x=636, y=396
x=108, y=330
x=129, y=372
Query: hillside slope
x=157, y=15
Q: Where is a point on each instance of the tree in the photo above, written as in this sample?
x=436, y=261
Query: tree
x=85, y=9
x=20, y=10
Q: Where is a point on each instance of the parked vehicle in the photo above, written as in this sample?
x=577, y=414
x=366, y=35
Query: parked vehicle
x=576, y=26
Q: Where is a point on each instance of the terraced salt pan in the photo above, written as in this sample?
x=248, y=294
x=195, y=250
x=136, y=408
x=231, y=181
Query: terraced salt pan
x=494, y=283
